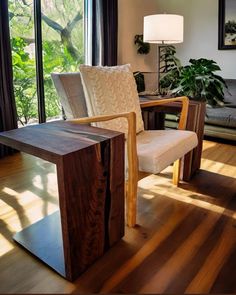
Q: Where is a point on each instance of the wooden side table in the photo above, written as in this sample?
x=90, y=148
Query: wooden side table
x=90, y=172
x=154, y=118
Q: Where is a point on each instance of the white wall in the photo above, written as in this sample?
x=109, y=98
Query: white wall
x=200, y=39
x=201, y=33
x=131, y=13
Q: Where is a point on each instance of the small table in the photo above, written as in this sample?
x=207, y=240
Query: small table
x=154, y=118
x=90, y=172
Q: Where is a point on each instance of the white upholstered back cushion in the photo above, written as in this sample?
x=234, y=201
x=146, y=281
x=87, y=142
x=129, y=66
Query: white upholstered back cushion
x=71, y=94
x=111, y=90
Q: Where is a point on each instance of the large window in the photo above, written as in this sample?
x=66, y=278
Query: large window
x=61, y=48
x=23, y=60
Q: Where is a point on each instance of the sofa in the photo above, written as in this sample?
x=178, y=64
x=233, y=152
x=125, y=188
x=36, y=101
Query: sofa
x=220, y=122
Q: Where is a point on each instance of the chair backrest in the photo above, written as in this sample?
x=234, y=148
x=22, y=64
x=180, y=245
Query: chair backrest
x=109, y=91
x=71, y=94
x=112, y=90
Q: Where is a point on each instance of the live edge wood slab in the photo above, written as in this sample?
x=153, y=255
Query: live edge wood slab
x=90, y=173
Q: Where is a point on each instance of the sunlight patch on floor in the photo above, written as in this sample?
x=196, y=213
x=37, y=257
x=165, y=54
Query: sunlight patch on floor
x=23, y=198
x=5, y=245
x=3, y=208
x=157, y=185
x=10, y=191
x=200, y=203
x=37, y=182
x=220, y=168
x=26, y=209
x=42, y=183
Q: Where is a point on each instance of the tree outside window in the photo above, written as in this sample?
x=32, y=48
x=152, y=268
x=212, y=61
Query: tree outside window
x=63, y=50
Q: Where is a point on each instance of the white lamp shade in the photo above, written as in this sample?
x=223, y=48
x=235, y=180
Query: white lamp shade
x=163, y=29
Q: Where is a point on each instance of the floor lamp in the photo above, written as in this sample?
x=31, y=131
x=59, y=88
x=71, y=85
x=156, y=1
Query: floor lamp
x=163, y=29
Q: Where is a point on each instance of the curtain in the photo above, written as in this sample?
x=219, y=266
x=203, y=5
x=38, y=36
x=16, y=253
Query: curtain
x=8, y=116
x=101, y=32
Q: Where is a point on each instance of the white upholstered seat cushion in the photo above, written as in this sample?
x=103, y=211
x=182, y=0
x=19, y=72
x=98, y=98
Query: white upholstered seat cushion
x=157, y=149
x=111, y=90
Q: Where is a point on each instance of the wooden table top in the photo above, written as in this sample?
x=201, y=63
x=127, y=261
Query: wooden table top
x=53, y=139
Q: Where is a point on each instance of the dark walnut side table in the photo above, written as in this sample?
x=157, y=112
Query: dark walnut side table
x=154, y=118
x=90, y=173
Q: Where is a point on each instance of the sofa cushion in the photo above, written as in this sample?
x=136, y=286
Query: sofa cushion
x=230, y=94
x=222, y=116
x=156, y=151
x=220, y=132
x=111, y=90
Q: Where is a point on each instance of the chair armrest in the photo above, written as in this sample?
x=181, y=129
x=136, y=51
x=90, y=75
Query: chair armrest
x=184, y=110
x=131, y=136
x=103, y=118
x=131, y=151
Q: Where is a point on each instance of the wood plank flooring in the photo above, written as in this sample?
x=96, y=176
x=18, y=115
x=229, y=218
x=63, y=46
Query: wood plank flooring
x=185, y=241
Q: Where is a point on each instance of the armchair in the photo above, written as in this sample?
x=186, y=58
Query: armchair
x=147, y=151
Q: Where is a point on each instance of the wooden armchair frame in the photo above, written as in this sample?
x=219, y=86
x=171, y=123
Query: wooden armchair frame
x=132, y=181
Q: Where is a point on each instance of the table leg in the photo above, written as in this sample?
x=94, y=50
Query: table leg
x=91, y=196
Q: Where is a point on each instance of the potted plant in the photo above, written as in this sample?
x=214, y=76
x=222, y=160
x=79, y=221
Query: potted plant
x=168, y=60
x=142, y=47
x=198, y=81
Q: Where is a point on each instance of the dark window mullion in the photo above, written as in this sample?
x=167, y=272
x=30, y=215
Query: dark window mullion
x=39, y=60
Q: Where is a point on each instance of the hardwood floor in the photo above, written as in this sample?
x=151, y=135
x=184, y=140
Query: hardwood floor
x=185, y=241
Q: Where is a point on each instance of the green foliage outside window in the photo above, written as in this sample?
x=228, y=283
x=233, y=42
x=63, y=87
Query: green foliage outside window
x=63, y=50
x=24, y=82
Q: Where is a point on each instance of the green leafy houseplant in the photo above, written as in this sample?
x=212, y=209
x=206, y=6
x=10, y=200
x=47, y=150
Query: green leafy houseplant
x=142, y=47
x=168, y=60
x=169, y=68
x=139, y=79
x=198, y=81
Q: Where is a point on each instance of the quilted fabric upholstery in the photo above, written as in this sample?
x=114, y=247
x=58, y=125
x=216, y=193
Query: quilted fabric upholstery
x=111, y=90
